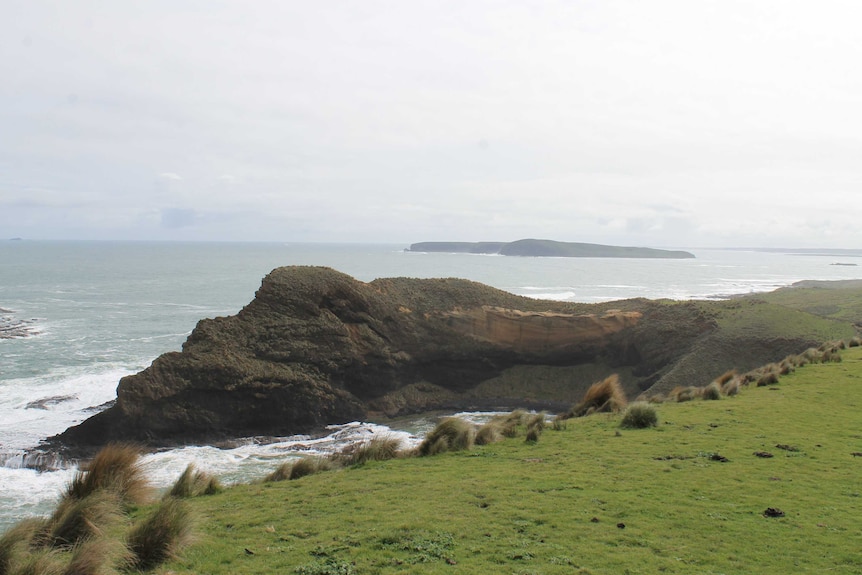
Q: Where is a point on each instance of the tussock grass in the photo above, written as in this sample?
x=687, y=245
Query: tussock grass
x=76, y=520
x=726, y=377
x=101, y=556
x=602, y=397
x=15, y=543
x=302, y=467
x=535, y=426
x=489, y=433
x=510, y=422
x=451, y=434
x=160, y=536
x=768, y=378
x=711, y=391
x=681, y=394
x=639, y=415
x=115, y=468
x=379, y=448
x=194, y=483
x=40, y=562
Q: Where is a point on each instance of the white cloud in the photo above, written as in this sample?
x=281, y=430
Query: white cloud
x=671, y=122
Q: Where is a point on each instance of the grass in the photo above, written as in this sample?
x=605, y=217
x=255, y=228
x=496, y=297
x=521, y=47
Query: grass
x=602, y=397
x=194, y=483
x=691, y=494
x=639, y=415
x=96, y=528
x=162, y=535
x=115, y=468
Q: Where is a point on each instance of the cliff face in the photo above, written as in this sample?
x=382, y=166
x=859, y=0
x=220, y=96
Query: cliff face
x=316, y=347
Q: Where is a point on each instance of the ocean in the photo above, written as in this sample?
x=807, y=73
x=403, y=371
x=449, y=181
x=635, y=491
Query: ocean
x=75, y=317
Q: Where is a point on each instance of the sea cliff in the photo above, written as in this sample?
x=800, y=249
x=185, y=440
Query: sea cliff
x=318, y=347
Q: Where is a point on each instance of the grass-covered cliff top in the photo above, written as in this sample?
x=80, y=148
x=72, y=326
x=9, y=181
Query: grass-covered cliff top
x=687, y=496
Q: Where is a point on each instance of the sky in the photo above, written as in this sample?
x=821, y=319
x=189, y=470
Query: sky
x=668, y=123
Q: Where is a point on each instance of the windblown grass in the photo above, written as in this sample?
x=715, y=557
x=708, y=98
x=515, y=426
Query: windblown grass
x=296, y=468
x=115, y=468
x=194, y=483
x=711, y=391
x=602, y=397
x=451, y=434
x=160, y=536
x=15, y=543
x=100, y=556
x=76, y=520
x=379, y=448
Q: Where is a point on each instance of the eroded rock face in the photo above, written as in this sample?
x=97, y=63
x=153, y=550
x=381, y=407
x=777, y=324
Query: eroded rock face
x=317, y=347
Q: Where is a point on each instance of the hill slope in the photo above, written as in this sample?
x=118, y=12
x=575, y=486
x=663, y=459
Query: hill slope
x=587, y=499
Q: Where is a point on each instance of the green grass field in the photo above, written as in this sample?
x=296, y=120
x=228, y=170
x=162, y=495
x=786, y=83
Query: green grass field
x=591, y=498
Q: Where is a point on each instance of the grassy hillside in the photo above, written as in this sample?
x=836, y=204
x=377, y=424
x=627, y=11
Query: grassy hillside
x=591, y=498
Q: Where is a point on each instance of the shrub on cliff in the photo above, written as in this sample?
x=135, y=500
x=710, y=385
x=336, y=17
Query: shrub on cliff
x=451, y=434
x=639, y=415
x=603, y=396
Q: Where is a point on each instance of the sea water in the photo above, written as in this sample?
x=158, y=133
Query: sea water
x=75, y=317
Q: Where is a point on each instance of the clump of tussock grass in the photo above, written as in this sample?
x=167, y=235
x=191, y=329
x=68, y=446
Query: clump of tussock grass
x=15, y=543
x=639, y=415
x=40, y=562
x=767, y=378
x=490, y=432
x=680, y=394
x=193, y=483
x=856, y=341
x=451, y=434
x=657, y=398
x=77, y=520
x=731, y=388
x=711, y=391
x=535, y=426
x=100, y=556
x=296, y=468
x=602, y=397
x=831, y=356
x=510, y=422
x=160, y=536
x=379, y=448
x=726, y=376
x=115, y=468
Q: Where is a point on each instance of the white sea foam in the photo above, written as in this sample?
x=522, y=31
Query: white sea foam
x=34, y=408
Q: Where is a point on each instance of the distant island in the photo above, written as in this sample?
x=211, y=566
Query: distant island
x=547, y=248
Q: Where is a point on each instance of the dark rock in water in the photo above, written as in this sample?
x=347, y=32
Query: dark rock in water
x=317, y=347
x=47, y=402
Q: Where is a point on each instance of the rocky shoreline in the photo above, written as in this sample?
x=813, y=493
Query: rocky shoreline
x=15, y=328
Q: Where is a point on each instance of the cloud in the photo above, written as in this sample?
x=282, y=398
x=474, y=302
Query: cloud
x=175, y=218
x=617, y=121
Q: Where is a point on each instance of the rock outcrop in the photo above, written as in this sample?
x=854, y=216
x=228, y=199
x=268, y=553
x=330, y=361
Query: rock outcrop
x=316, y=347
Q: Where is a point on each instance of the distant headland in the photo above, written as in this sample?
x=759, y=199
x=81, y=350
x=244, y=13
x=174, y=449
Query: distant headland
x=547, y=248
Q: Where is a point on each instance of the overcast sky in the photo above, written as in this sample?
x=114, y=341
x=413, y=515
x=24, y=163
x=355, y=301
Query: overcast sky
x=684, y=123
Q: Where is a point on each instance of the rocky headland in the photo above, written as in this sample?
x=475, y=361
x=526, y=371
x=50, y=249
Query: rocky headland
x=318, y=347
x=548, y=248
